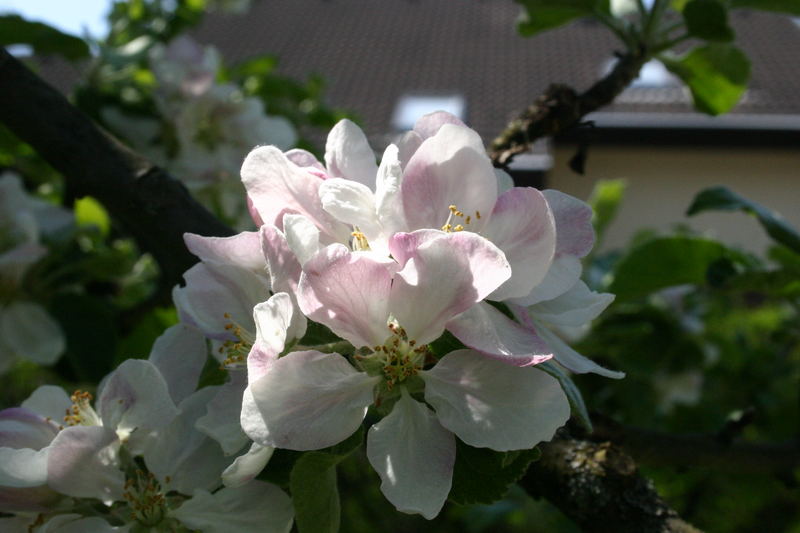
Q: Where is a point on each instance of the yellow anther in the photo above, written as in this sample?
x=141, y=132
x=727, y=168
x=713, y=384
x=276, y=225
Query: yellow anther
x=468, y=220
x=452, y=208
x=459, y=227
x=478, y=215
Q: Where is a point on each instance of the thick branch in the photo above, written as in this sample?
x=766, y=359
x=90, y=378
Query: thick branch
x=709, y=451
x=560, y=108
x=147, y=203
x=598, y=486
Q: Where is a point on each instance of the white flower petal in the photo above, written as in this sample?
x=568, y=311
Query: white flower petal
x=272, y=319
x=135, y=395
x=576, y=307
x=504, y=180
x=573, y=223
x=302, y=236
x=31, y=332
x=48, y=401
x=83, y=463
x=486, y=329
x=256, y=507
x=414, y=457
x=23, y=428
x=75, y=523
x=492, y=405
x=564, y=273
x=221, y=419
x=246, y=467
x=179, y=355
x=243, y=249
x=352, y=203
x=310, y=400
x=388, y=201
x=570, y=359
x=348, y=154
x=23, y=467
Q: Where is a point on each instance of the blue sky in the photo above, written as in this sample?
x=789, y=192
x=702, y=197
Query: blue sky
x=70, y=16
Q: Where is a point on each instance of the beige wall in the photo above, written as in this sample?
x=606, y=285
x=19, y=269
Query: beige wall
x=662, y=182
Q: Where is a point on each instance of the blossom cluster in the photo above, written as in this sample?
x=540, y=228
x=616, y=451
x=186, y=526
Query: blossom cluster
x=432, y=243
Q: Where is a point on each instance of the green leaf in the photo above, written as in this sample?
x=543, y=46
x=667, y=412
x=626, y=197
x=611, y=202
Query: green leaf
x=781, y=6
x=605, y=200
x=576, y=403
x=707, y=19
x=541, y=15
x=717, y=75
x=315, y=494
x=42, y=38
x=481, y=475
x=724, y=199
x=664, y=262
x=89, y=212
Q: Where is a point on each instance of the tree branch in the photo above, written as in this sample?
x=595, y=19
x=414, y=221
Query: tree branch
x=147, y=202
x=560, y=108
x=598, y=486
x=711, y=451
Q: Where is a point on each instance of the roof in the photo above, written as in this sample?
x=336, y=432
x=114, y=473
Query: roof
x=371, y=53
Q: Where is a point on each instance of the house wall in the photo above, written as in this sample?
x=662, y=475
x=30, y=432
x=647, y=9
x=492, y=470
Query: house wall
x=663, y=180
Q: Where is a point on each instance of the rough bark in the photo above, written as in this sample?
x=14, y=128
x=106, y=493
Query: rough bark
x=560, y=108
x=598, y=486
x=143, y=199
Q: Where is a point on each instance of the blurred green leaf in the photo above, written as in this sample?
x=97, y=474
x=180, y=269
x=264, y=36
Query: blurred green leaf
x=313, y=484
x=781, y=6
x=576, y=403
x=605, y=201
x=89, y=212
x=541, y=15
x=717, y=74
x=42, y=38
x=481, y=475
x=664, y=262
x=724, y=199
x=707, y=19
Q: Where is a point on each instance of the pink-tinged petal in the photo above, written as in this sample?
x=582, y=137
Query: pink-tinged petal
x=407, y=146
x=311, y=400
x=572, y=360
x=486, y=329
x=349, y=293
x=23, y=428
x=492, y=405
x=449, y=168
x=272, y=319
x=255, y=507
x=246, y=467
x=403, y=246
x=414, y=457
x=243, y=250
x=49, y=402
x=444, y=277
x=573, y=223
x=221, y=419
x=430, y=124
x=576, y=307
x=31, y=333
x=83, y=463
x=251, y=208
x=275, y=185
x=348, y=154
x=179, y=354
x=302, y=236
x=522, y=225
x=214, y=290
x=564, y=273
x=303, y=158
x=283, y=266
x=134, y=396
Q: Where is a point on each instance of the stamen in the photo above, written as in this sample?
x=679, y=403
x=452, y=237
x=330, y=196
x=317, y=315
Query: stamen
x=360, y=242
x=236, y=350
x=81, y=413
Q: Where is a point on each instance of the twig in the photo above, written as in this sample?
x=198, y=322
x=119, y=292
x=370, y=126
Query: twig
x=146, y=201
x=560, y=108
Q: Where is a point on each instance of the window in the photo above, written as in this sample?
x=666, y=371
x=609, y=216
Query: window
x=412, y=106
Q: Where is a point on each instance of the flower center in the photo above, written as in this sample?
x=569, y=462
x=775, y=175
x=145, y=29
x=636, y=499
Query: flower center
x=236, y=351
x=81, y=412
x=359, y=242
x=400, y=357
x=457, y=220
x=145, y=498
